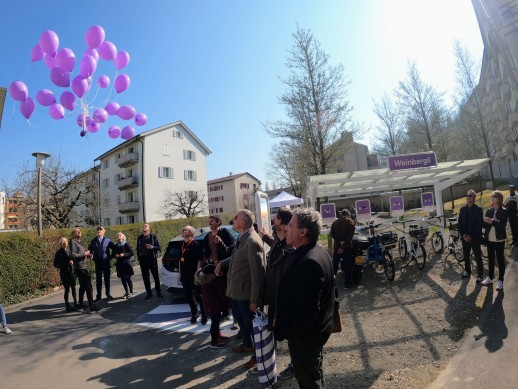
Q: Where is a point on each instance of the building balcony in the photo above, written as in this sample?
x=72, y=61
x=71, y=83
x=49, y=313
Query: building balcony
x=128, y=182
x=127, y=159
x=129, y=206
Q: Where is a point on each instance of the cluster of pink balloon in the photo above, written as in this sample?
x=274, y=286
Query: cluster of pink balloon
x=61, y=63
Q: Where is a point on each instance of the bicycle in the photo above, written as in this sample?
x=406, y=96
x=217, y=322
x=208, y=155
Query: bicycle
x=436, y=240
x=378, y=250
x=454, y=242
x=413, y=247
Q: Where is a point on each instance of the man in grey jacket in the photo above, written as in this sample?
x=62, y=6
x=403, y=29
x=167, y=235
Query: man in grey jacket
x=245, y=279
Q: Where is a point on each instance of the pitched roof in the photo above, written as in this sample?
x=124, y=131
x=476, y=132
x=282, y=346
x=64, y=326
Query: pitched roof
x=231, y=178
x=153, y=131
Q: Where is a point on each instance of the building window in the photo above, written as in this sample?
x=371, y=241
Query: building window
x=177, y=134
x=189, y=155
x=189, y=175
x=244, y=186
x=165, y=172
x=120, y=220
x=221, y=210
x=107, y=221
x=132, y=219
x=190, y=194
x=106, y=183
x=165, y=150
x=117, y=177
x=106, y=163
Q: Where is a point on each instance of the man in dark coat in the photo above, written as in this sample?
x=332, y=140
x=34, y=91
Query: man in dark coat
x=305, y=301
x=148, y=247
x=511, y=204
x=342, y=232
x=470, y=231
x=100, y=249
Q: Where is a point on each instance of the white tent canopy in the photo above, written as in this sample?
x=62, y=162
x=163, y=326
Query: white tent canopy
x=283, y=199
x=367, y=182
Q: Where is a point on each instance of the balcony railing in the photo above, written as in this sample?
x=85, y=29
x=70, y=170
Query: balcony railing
x=128, y=182
x=127, y=159
x=130, y=206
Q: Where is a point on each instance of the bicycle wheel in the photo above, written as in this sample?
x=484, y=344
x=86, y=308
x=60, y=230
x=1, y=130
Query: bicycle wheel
x=401, y=246
x=457, y=250
x=437, y=242
x=390, y=269
x=420, y=256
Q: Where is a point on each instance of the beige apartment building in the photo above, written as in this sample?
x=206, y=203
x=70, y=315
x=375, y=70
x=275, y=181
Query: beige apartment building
x=230, y=193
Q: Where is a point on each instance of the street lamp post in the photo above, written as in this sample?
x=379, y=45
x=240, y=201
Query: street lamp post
x=40, y=162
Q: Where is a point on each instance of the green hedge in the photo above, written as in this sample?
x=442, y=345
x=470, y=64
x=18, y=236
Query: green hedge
x=26, y=260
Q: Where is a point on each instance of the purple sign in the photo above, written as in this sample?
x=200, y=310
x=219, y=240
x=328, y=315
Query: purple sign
x=412, y=161
x=328, y=211
x=363, y=209
x=427, y=201
x=397, y=206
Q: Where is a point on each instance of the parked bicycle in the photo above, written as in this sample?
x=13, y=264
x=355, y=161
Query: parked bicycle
x=377, y=250
x=436, y=240
x=454, y=242
x=411, y=244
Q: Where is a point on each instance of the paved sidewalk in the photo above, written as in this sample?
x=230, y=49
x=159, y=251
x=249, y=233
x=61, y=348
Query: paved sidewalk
x=489, y=356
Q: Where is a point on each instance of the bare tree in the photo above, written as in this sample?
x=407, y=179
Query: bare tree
x=62, y=192
x=420, y=104
x=390, y=133
x=315, y=102
x=286, y=167
x=480, y=123
x=187, y=203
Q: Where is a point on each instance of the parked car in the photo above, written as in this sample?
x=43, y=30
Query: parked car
x=171, y=258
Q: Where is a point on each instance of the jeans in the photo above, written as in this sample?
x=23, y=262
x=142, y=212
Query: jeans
x=147, y=266
x=466, y=250
x=2, y=316
x=244, y=316
x=102, y=268
x=307, y=361
x=85, y=285
x=498, y=249
x=127, y=283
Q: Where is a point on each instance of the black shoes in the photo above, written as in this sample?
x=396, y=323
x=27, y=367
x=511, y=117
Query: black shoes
x=194, y=318
x=109, y=297
x=160, y=295
x=97, y=300
x=148, y=296
x=94, y=308
x=204, y=320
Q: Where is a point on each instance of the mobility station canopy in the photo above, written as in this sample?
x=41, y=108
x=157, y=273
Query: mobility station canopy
x=283, y=199
x=370, y=182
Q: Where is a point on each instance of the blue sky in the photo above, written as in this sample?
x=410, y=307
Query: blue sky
x=215, y=65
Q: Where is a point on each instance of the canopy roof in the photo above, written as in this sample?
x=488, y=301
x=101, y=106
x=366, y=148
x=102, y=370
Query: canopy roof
x=368, y=182
x=284, y=198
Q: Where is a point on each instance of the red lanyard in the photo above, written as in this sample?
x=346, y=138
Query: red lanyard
x=185, y=247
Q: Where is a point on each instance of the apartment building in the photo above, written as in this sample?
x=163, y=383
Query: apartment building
x=87, y=213
x=14, y=210
x=137, y=176
x=230, y=193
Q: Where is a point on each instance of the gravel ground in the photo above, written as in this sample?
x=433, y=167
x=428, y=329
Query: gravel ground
x=396, y=334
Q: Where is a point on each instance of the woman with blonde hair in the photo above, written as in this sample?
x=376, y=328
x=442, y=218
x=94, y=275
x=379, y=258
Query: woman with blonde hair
x=64, y=263
x=123, y=253
x=495, y=222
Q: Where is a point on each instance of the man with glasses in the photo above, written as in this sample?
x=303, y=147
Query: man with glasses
x=245, y=279
x=470, y=230
x=148, y=247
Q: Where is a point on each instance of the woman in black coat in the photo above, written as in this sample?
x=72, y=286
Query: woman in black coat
x=64, y=263
x=123, y=253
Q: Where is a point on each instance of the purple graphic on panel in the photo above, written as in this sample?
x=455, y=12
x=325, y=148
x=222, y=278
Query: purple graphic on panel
x=427, y=201
x=412, y=161
x=328, y=211
x=363, y=209
x=397, y=206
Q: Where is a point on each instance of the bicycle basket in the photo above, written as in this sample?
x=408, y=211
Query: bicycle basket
x=419, y=233
x=387, y=238
x=454, y=226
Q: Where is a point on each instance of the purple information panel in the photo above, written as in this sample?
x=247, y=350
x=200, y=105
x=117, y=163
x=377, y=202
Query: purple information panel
x=427, y=202
x=412, y=161
x=363, y=209
x=328, y=213
x=397, y=206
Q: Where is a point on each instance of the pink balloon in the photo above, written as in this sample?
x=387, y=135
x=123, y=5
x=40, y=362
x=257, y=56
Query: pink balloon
x=49, y=42
x=107, y=50
x=100, y=115
x=114, y=132
x=126, y=112
x=27, y=107
x=18, y=91
x=112, y=108
x=57, y=111
x=94, y=36
x=140, y=119
x=50, y=61
x=122, y=59
x=127, y=132
x=68, y=100
x=45, y=97
x=80, y=85
x=60, y=77
x=66, y=59
x=93, y=53
x=122, y=82
x=103, y=81
x=81, y=119
x=87, y=66
x=36, y=53
x=92, y=125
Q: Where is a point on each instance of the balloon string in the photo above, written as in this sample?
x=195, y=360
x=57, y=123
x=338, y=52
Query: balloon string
x=25, y=72
x=112, y=85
